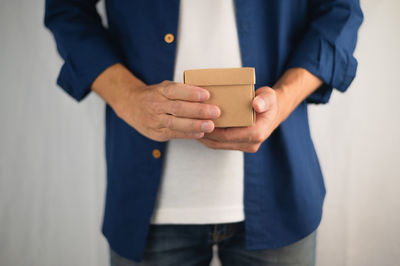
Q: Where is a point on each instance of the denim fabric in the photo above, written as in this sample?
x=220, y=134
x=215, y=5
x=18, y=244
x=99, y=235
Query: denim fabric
x=172, y=244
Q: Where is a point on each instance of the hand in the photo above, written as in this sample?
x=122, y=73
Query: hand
x=168, y=110
x=248, y=139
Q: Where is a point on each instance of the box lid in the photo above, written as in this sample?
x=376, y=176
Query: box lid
x=219, y=76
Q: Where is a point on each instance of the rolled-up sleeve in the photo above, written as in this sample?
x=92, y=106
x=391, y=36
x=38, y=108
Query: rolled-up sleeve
x=327, y=48
x=82, y=42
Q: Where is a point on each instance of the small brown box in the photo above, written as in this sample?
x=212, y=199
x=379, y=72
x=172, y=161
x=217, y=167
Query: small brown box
x=231, y=89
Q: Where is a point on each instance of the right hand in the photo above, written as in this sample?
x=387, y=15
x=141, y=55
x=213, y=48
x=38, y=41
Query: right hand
x=168, y=110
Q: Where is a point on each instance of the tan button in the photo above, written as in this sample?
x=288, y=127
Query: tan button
x=156, y=153
x=169, y=38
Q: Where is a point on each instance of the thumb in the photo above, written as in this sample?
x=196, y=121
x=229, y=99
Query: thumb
x=259, y=104
x=263, y=99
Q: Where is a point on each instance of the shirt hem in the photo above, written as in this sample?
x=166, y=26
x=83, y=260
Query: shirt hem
x=198, y=215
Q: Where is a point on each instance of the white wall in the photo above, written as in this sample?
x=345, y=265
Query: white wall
x=52, y=173
x=357, y=138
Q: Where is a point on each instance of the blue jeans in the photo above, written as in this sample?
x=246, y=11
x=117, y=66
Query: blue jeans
x=191, y=244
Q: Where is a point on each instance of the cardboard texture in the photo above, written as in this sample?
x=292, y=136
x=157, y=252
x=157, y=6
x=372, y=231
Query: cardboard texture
x=231, y=89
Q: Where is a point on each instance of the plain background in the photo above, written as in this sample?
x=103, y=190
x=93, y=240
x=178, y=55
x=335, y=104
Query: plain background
x=52, y=168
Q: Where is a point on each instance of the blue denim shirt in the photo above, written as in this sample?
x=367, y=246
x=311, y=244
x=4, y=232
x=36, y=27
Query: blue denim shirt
x=284, y=188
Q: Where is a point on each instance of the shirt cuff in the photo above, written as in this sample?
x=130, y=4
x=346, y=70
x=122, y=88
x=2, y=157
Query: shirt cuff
x=332, y=64
x=78, y=74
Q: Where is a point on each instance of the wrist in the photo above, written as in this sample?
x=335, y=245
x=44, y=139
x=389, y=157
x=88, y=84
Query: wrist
x=117, y=85
x=284, y=102
x=122, y=103
x=292, y=88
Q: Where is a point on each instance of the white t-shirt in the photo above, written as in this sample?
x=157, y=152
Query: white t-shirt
x=200, y=185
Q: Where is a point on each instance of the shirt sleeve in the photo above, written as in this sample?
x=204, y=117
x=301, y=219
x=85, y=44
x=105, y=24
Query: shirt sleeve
x=327, y=48
x=82, y=42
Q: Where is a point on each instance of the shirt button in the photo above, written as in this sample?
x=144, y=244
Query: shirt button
x=169, y=38
x=156, y=153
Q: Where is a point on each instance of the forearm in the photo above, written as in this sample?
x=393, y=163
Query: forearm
x=292, y=88
x=115, y=84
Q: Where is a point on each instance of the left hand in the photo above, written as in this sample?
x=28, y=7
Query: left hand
x=249, y=139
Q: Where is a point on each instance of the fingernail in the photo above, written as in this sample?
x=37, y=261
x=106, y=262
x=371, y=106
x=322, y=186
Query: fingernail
x=203, y=95
x=198, y=135
x=206, y=127
x=214, y=112
x=261, y=104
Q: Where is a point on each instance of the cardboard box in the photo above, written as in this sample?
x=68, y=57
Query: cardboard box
x=231, y=89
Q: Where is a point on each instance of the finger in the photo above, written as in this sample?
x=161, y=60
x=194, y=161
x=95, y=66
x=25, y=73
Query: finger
x=179, y=91
x=185, y=135
x=251, y=148
x=187, y=125
x=264, y=100
x=192, y=110
x=249, y=135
